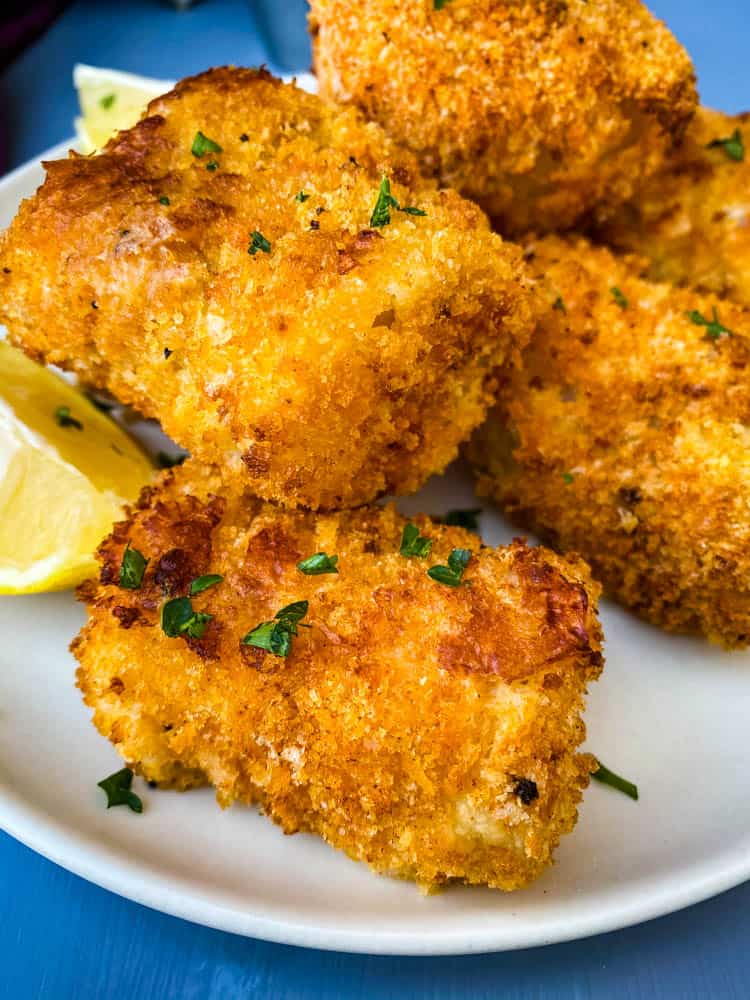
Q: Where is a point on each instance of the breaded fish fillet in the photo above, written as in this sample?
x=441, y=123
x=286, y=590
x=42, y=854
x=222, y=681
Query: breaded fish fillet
x=219, y=267
x=542, y=111
x=625, y=437
x=427, y=729
x=692, y=219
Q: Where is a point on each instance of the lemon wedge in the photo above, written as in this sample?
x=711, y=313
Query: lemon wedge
x=66, y=471
x=110, y=101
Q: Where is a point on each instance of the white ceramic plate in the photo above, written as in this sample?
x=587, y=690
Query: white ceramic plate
x=670, y=713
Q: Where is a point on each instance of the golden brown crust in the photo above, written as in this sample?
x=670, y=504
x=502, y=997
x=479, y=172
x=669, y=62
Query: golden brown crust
x=343, y=364
x=539, y=110
x=625, y=438
x=692, y=220
x=401, y=726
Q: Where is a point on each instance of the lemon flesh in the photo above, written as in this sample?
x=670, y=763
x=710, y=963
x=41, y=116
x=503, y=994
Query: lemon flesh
x=110, y=101
x=61, y=486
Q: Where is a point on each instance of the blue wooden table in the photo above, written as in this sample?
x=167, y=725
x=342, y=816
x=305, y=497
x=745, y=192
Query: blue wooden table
x=63, y=938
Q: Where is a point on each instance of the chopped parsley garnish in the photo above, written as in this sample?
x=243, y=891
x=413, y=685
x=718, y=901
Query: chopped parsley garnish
x=714, y=328
x=439, y=4
x=381, y=214
x=107, y=101
x=568, y=478
x=132, y=568
x=559, y=305
x=163, y=200
x=117, y=789
x=619, y=298
x=451, y=574
x=414, y=545
x=301, y=197
x=468, y=519
x=258, y=242
x=204, y=582
x=202, y=144
x=166, y=461
x=607, y=777
x=179, y=618
x=276, y=636
x=318, y=564
x=212, y=165
x=733, y=146
x=64, y=419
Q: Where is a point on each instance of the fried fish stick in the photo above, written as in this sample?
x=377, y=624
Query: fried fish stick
x=542, y=112
x=624, y=437
x=271, y=279
x=692, y=219
x=427, y=729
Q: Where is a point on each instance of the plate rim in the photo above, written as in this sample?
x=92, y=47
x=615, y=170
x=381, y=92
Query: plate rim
x=81, y=854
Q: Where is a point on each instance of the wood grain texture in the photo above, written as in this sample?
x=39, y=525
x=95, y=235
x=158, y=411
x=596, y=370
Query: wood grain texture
x=63, y=938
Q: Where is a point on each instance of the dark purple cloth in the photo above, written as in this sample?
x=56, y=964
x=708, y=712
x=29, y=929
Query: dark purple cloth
x=21, y=23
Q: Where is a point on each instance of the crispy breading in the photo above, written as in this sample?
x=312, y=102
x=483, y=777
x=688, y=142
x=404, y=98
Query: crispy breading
x=428, y=730
x=692, y=219
x=346, y=362
x=542, y=111
x=625, y=437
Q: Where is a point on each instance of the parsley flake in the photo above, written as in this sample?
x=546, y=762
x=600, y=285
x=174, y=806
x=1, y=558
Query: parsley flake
x=451, y=574
x=733, y=146
x=213, y=165
x=318, y=564
x=439, y=4
x=301, y=197
x=64, y=419
x=276, y=636
x=117, y=789
x=619, y=298
x=607, y=777
x=178, y=618
x=258, y=242
x=468, y=519
x=414, y=545
x=568, y=478
x=381, y=214
x=714, y=328
x=204, y=582
x=164, y=200
x=559, y=305
x=202, y=144
x=132, y=568
x=107, y=101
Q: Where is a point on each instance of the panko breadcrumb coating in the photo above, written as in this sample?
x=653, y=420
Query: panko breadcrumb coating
x=242, y=296
x=625, y=437
x=426, y=729
x=542, y=111
x=692, y=219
